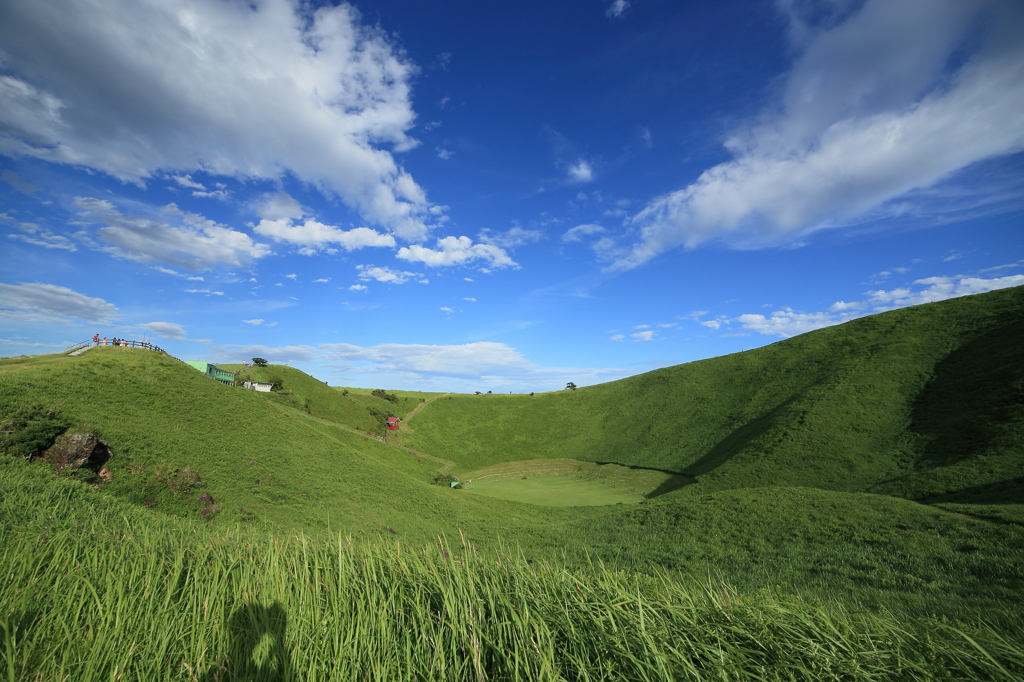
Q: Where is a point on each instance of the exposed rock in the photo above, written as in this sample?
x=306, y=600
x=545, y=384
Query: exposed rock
x=212, y=509
x=105, y=475
x=206, y=499
x=76, y=450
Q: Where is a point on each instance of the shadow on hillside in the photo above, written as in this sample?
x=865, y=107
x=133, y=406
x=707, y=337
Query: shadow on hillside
x=728, y=447
x=973, y=397
x=257, y=649
x=675, y=482
x=1010, y=491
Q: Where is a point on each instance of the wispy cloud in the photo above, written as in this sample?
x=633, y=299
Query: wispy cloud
x=868, y=113
x=387, y=275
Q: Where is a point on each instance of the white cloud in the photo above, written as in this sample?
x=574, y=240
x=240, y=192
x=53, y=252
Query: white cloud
x=581, y=171
x=182, y=239
x=468, y=279
x=40, y=236
x=868, y=113
x=939, y=289
x=711, y=324
x=368, y=272
x=168, y=330
x=578, y=232
x=444, y=154
x=187, y=181
x=787, y=322
x=643, y=336
x=668, y=325
x=322, y=279
x=617, y=337
x=358, y=287
x=208, y=292
x=456, y=251
x=51, y=301
x=258, y=321
x=251, y=90
x=277, y=355
x=617, y=9
x=195, y=279
x=467, y=298
x=467, y=360
x=292, y=276
x=516, y=236
x=642, y=326
x=447, y=310
x=280, y=212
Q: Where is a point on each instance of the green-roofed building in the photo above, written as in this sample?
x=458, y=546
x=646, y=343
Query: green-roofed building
x=212, y=371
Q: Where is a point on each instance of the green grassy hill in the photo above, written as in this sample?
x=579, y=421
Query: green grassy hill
x=789, y=543
x=924, y=402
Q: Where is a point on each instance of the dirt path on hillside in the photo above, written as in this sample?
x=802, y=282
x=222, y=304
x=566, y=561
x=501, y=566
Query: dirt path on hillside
x=447, y=463
x=421, y=406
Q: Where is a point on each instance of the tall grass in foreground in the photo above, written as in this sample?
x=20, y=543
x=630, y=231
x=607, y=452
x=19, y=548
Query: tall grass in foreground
x=101, y=602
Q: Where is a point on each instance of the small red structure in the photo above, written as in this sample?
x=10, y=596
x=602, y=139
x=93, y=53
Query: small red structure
x=393, y=423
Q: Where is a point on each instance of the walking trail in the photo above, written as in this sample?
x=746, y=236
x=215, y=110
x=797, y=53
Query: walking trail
x=446, y=463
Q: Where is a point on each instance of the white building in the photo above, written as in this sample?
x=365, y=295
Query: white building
x=258, y=386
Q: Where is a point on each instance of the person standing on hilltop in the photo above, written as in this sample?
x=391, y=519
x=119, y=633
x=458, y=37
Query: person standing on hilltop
x=96, y=340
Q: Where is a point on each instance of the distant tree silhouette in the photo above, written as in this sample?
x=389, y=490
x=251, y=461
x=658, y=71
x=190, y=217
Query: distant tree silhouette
x=259, y=362
x=570, y=386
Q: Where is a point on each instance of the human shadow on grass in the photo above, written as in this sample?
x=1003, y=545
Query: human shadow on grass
x=256, y=649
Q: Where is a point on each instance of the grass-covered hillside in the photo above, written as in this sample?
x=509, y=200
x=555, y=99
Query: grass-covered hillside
x=924, y=403
x=851, y=509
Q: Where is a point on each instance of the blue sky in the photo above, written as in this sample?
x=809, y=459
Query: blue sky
x=499, y=196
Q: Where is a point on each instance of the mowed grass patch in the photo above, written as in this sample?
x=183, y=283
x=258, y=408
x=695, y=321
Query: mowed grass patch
x=568, y=482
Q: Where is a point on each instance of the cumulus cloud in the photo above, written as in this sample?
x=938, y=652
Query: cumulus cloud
x=256, y=322
x=787, y=322
x=577, y=233
x=388, y=275
x=357, y=287
x=871, y=110
x=53, y=303
x=168, y=330
x=457, y=251
x=183, y=239
x=643, y=336
x=283, y=221
x=251, y=90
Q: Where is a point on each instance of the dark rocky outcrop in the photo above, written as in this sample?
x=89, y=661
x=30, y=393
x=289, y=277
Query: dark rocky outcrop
x=77, y=450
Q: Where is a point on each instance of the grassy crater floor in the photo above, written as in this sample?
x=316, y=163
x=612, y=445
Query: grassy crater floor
x=569, y=482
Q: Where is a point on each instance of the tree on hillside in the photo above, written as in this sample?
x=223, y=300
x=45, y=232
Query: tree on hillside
x=259, y=362
x=570, y=386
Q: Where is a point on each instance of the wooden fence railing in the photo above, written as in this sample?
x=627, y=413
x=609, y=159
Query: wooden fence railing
x=120, y=342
